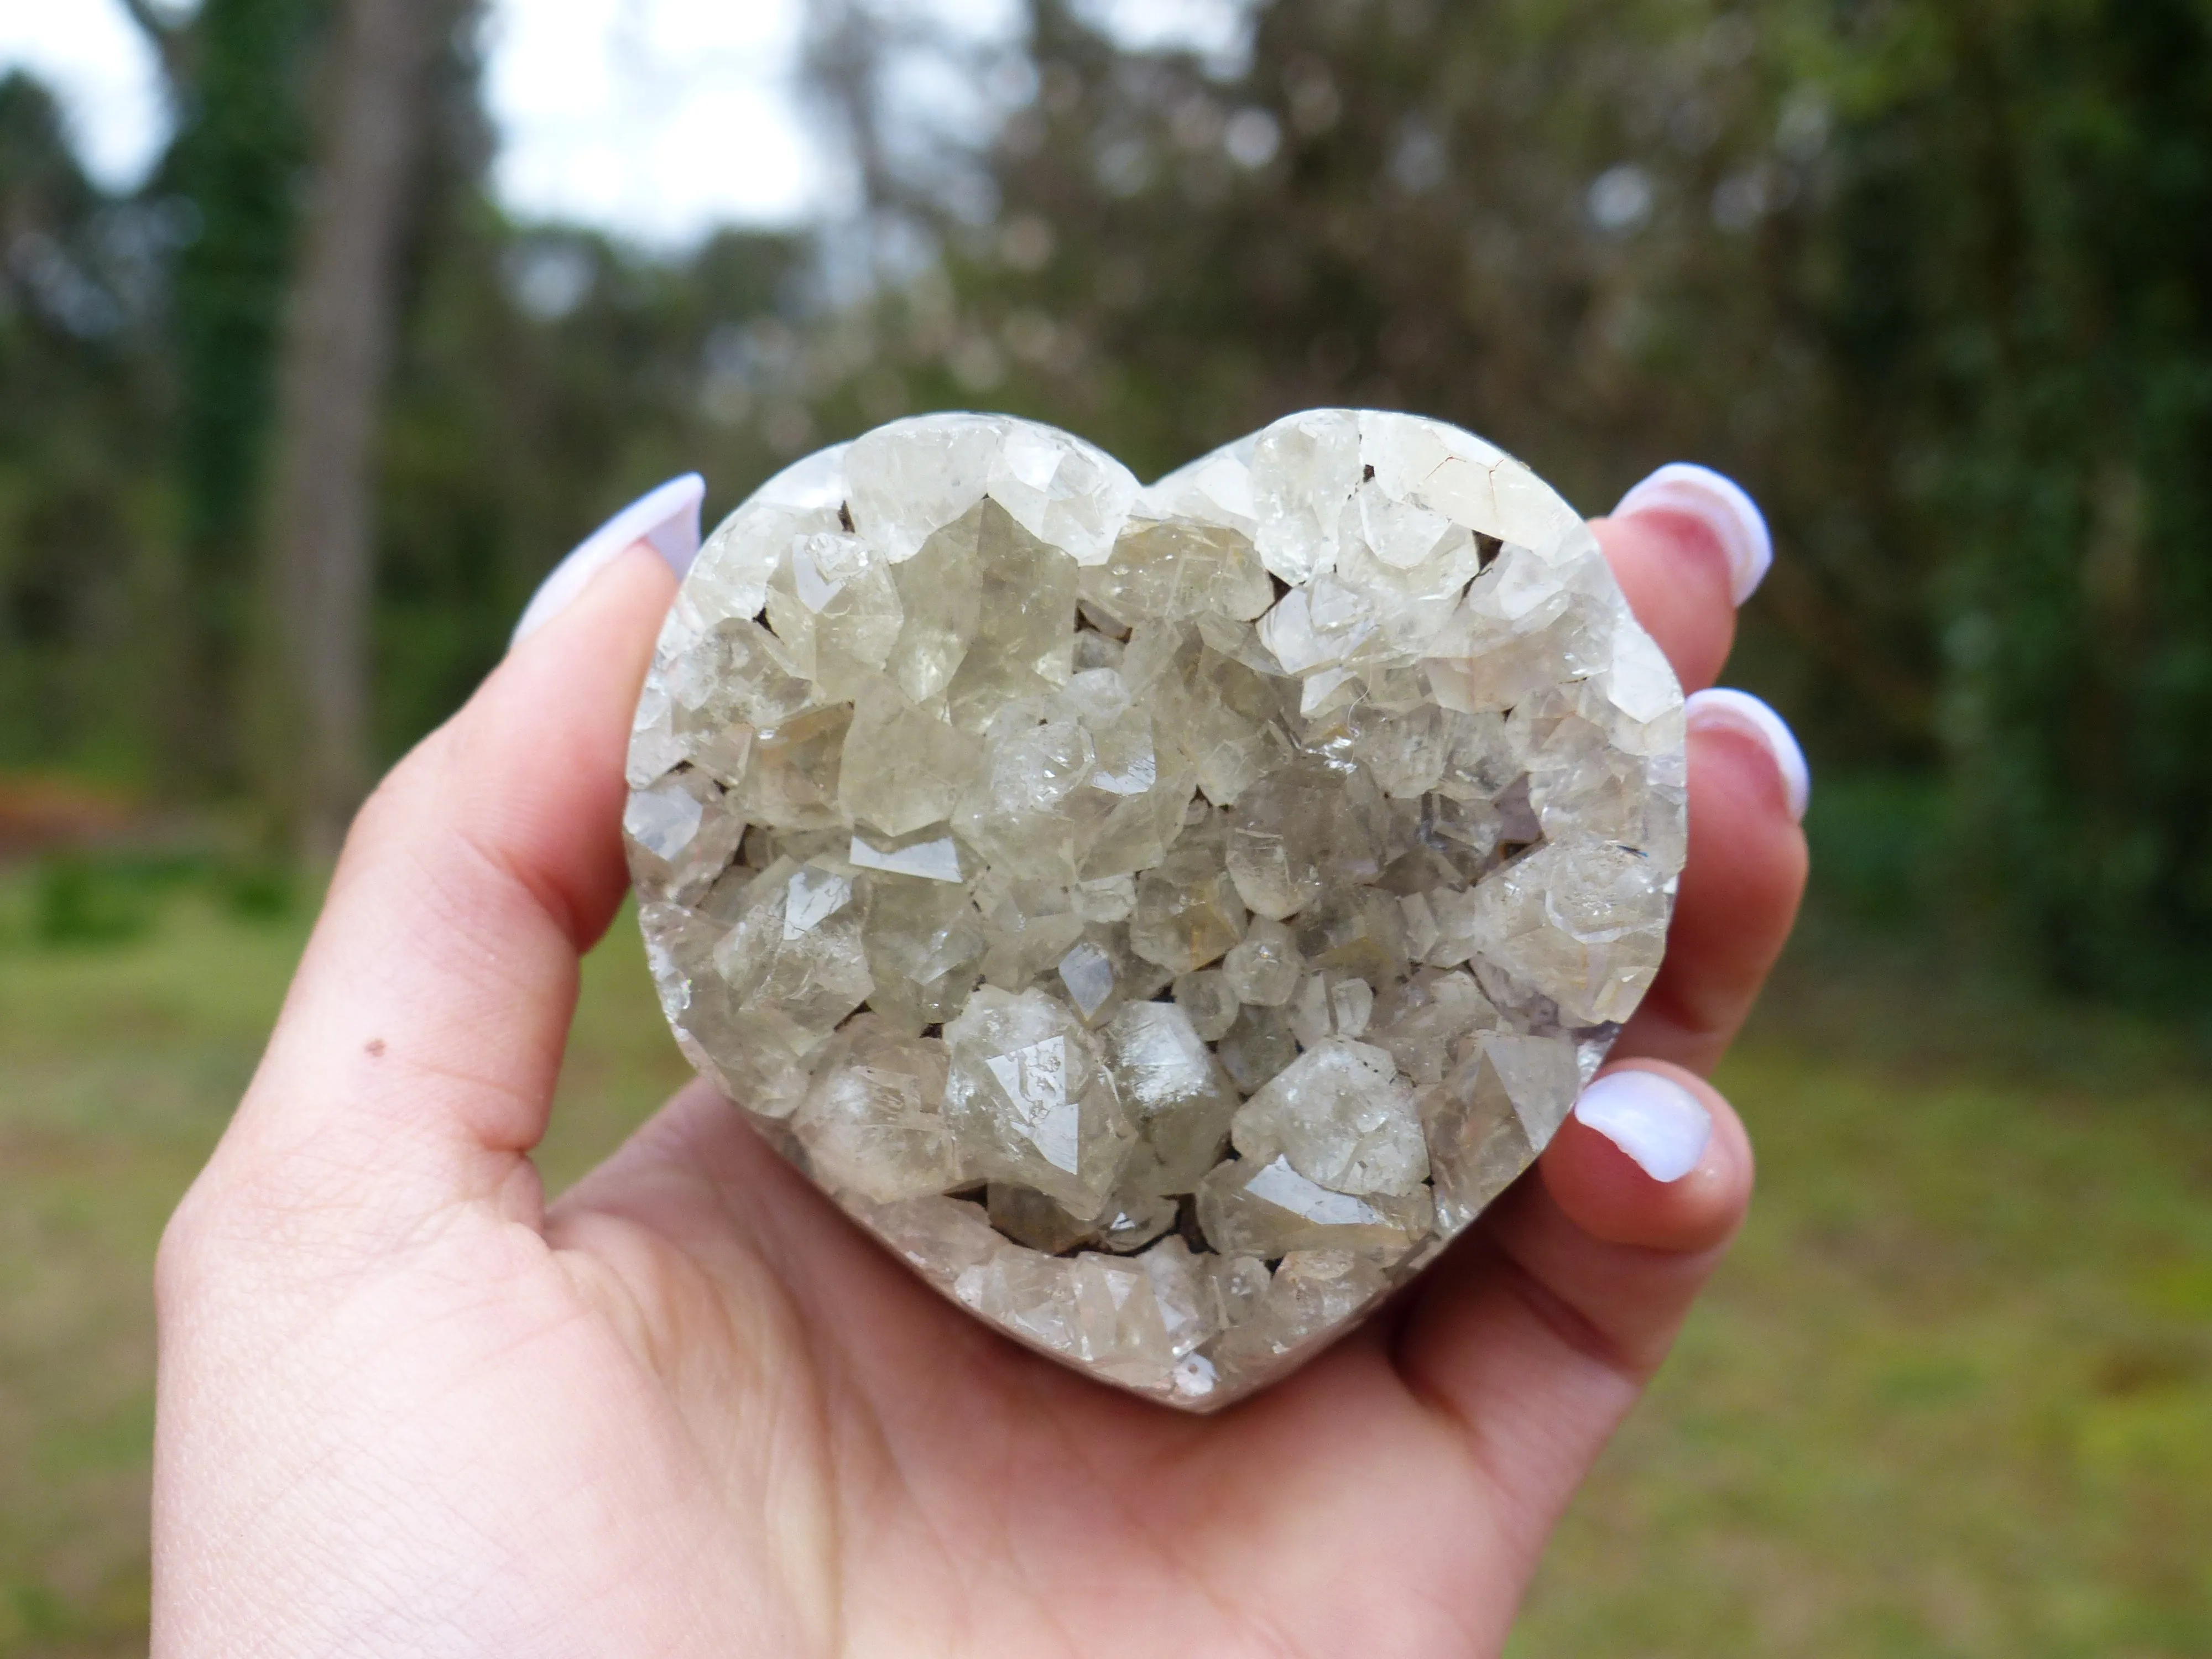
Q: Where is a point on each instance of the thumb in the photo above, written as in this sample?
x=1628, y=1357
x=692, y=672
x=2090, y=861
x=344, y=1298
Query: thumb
x=414, y=1062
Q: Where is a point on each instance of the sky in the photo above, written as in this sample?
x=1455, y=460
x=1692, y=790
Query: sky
x=655, y=120
x=90, y=53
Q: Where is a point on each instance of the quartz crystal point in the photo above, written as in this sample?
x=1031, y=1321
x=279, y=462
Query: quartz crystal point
x=1165, y=917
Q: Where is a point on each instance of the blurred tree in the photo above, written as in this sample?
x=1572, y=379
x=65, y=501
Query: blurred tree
x=1930, y=275
x=239, y=77
x=80, y=280
x=540, y=376
x=545, y=377
x=375, y=89
x=2020, y=305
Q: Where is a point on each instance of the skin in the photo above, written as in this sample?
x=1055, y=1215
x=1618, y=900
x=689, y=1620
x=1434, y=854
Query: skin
x=406, y=1406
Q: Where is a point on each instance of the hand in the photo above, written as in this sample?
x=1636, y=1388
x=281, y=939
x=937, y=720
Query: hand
x=408, y=1407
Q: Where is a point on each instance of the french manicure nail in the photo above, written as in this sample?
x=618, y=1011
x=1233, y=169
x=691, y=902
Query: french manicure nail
x=1739, y=711
x=667, y=521
x=1721, y=506
x=1656, y=1120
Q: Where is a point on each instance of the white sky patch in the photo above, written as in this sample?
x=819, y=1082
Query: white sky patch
x=104, y=72
x=656, y=120
x=1219, y=31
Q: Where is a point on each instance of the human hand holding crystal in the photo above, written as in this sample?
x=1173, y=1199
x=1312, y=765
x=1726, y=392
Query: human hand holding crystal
x=406, y=1406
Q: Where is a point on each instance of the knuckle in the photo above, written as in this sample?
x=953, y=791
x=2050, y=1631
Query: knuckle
x=393, y=801
x=185, y=1254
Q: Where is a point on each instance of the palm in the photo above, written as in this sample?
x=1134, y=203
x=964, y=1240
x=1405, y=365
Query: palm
x=783, y=1430
x=691, y=1410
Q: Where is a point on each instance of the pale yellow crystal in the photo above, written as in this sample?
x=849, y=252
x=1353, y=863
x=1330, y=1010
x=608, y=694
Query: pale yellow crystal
x=1304, y=471
x=1024, y=643
x=1343, y=1117
x=1136, y=1213
x=873, y=1122
x=939, y=1237
x=1298, y=833
x=1265, y=967
x=1130, y=1318
x=1358, y=931
x=1031, y=1101
x=1268, y=1210
x=1031, y=1218
x=1187, y=914
x=790, y=780
x=1424, y=1021
x=903, y=768
x=925, y=943
x=1207, y=1000
x=1488, y=1119
x=1312, y=1296
x=1175, y=1089
x=1178, y=572
x=1221, y=714
x=797, y=950
x=940, y=594
x=835, y=610
x=1583, y=922
x=679, y=835
x=1258, y=1046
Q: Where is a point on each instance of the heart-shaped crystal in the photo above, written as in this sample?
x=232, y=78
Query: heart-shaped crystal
x=1165, y=917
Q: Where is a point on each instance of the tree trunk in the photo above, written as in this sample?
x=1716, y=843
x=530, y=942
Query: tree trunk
x=376, y=92
x=235, y=73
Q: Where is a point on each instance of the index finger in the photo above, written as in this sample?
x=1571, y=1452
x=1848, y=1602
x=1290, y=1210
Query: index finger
x=1687, y=546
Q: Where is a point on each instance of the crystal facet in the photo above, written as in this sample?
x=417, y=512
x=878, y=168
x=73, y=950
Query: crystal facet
x=1165, y=917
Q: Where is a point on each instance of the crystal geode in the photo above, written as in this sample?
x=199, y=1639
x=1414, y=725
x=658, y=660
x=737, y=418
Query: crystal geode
x=1165, y=916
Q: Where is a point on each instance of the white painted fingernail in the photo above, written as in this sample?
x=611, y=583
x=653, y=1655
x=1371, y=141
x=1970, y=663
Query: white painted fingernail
x=667, y=519
x=1739, y=711
x=1719, y=503
x=1656, y=1121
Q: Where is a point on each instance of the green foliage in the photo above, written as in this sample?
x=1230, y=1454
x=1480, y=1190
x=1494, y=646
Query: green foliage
x=545, y=378
x=80, y=903
x=99, y=899
x=1877, y=838
x=1929, y=277
x=238, y=170
x=2024, y=246
x=78, y=277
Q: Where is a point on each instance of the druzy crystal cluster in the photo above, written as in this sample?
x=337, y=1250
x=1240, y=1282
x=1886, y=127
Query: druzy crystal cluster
x=1165, y=916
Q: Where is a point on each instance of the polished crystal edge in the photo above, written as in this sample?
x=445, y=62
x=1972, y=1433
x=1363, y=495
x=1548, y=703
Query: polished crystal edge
x=1165, y=917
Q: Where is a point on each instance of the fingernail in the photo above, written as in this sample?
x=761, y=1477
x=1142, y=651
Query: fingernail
x=1721, y=505
x=1656, y=1121
x=667, y=521
x=1739, y=711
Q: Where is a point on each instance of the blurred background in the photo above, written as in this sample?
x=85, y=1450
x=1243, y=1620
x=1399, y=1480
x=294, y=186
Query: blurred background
x=327, y=326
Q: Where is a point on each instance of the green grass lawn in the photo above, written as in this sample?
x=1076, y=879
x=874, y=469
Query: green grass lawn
x=1952, y=1394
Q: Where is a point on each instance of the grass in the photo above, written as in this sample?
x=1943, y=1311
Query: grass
x=1951, y=1396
